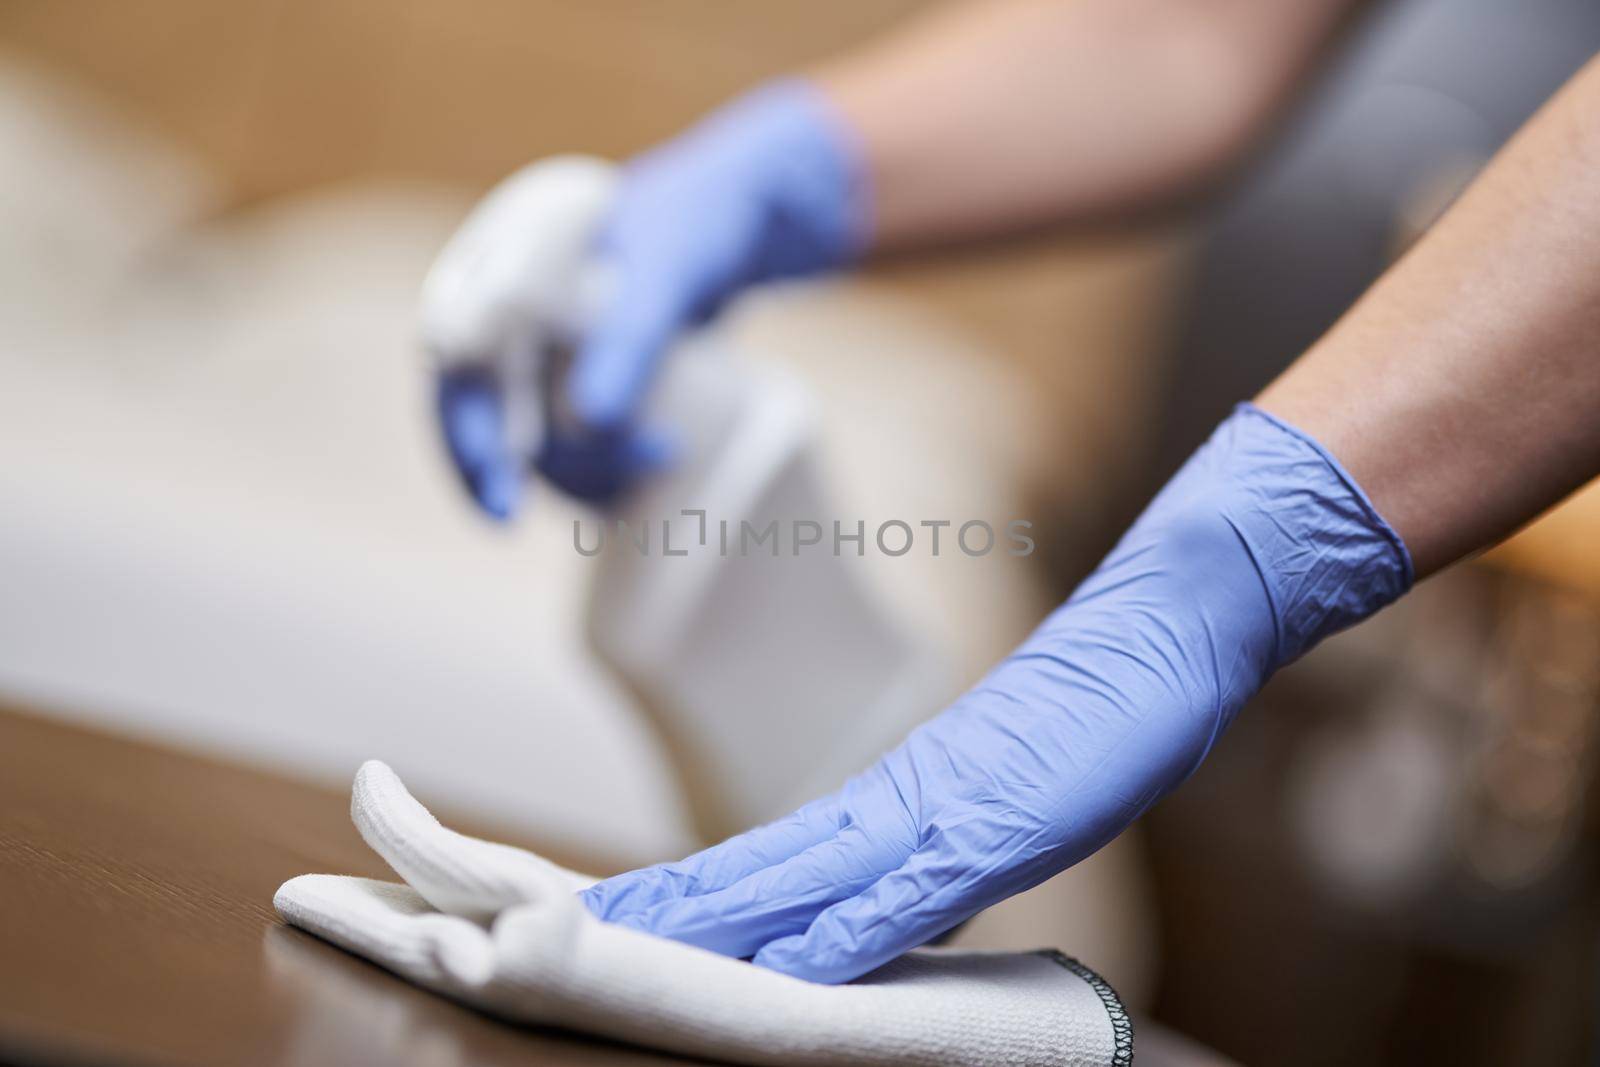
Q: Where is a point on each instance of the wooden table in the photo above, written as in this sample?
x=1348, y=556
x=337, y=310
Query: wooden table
x=136, y=922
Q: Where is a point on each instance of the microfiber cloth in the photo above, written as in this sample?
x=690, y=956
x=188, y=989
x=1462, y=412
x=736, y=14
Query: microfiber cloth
x=501, y=929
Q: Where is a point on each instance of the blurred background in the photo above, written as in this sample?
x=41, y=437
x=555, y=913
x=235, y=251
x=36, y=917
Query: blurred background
x=226, y=521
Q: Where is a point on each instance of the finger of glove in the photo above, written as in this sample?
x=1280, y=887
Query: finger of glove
x=905, y=908
x=774, y=902
x=651, y=451
x=472, y=420
x=717, y=867
x=457, y=874
x=621, y=350
x=391, y=925
x=598, y=467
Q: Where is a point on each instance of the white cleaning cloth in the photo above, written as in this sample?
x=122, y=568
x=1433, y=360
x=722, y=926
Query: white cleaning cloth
x=502, y=930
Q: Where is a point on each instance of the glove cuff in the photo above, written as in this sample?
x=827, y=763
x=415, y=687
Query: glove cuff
x=1326, y=557
x=816, y=189
x=1258, y=548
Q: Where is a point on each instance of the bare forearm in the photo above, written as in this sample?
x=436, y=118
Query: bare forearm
x=992, y=115
x=1463, y=391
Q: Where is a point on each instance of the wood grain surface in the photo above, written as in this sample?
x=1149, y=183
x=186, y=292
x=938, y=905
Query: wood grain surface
x=136, y=922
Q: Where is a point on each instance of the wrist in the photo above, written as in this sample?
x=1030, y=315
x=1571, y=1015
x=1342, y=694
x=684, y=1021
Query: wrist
x=1326, y=557
x=1259, y=547
x=808, y=161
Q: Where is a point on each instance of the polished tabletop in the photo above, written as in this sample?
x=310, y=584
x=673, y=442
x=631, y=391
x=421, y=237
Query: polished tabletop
x=136, y=922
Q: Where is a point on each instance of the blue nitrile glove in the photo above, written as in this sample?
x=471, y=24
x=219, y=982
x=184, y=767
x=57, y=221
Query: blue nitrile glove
x=1259, y=547
x=767, y=187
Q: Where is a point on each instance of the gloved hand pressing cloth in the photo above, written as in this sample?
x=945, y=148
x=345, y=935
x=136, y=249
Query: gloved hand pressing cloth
x=502, y=930
x=1259, y=547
